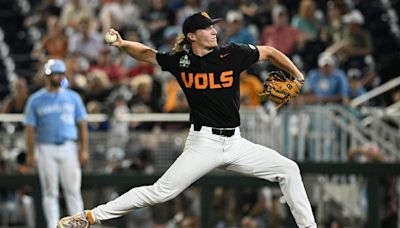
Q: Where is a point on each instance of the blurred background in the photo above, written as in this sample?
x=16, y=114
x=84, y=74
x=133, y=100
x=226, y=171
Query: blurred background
x=343, y=129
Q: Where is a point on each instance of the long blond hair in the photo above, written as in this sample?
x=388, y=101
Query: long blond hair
x=181, y=43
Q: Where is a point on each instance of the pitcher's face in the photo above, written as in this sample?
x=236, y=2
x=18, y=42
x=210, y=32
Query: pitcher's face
x=206, y=38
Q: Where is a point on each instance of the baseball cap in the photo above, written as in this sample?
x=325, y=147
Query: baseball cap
x=326, y=59
x=200, y=20
x=54, y=66
x=355, y=16
x=354, y=73
x=233, y=16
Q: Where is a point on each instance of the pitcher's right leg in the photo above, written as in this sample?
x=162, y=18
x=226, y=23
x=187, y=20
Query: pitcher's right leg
x=265, y=163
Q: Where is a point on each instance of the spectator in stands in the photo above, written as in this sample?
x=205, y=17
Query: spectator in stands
x=389, y=203
x=143, y=162
x=110, y=15
x=250, y=88
x=256, y=12
x=186, y=210
x=308, y=22
x=190, y=7
x=169, y=37
x=43, y=11
x=251, y=8
x=126, y=61
x=335, y=26
x=245, y=199
x=16, y=206
x=235, y=30
x=223, y=206
x=95, y=107
x=142, y=101
x=175, y=102
x=248, y=222
x=77, y=67
x=355, y=44
x=25, y=203
x=175, y=99
x=99, y=86
x=73, y=12
x=6, y=195
x=158, y=18
x=280, y=34
x=219, y=8
x=356, y=87
x=54, y=44
x=190, y=221
x=122, y=14
x=134, y=67
x=141, y=68
x=131, y=15
x=104, y=62
x=305, y=21
x=15, y=102
x=368, y=153
x=86, y=42
x=327, y=84
x=119, y=132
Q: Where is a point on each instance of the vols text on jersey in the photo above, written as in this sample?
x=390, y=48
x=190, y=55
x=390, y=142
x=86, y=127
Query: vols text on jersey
x=207, y=80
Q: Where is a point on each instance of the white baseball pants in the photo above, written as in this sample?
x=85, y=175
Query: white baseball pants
x=59, y=164
x=205, y=151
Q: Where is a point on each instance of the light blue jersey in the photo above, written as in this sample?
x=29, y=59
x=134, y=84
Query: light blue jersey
x=54, y=115
x=323, y=86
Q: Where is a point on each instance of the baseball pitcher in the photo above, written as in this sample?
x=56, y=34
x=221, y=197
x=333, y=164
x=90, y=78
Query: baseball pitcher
x=209, y=77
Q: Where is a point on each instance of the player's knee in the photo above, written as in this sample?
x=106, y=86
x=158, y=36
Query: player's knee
x=164, y=193
x=291, y=168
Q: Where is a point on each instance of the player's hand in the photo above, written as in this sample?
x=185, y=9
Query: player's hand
x=83, y=156
x=118, y=41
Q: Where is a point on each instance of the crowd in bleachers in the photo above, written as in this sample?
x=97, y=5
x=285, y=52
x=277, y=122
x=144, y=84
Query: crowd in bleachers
x=341, y=55
x=328, y=40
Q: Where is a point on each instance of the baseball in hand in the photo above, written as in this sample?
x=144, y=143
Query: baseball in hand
x=110, y=38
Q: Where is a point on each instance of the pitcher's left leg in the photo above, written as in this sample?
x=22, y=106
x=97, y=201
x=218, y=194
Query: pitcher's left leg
x=253, y=159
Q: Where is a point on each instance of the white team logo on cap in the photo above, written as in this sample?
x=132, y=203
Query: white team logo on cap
x=252, y=46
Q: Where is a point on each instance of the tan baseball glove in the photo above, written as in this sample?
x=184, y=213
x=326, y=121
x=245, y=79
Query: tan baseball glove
x=280, y=89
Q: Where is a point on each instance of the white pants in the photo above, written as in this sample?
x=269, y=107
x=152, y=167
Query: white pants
x=205, y=151
x=59, y=164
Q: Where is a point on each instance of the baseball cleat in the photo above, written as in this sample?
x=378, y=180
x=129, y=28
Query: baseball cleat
x=81, y=220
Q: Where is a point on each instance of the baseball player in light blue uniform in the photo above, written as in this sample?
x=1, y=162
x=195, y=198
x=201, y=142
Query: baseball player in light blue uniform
x=56, y=129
